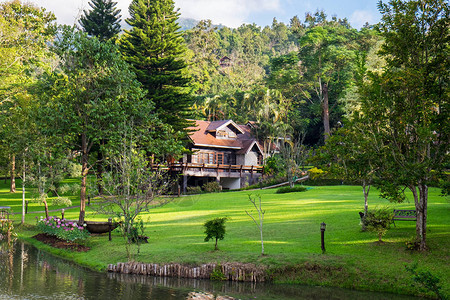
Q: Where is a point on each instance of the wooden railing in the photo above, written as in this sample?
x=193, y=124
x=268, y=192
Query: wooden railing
x=181, y=167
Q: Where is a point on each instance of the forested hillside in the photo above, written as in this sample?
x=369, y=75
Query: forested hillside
x=292, y=79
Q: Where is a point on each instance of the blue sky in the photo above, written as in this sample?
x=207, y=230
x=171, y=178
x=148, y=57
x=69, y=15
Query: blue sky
x=233, y=13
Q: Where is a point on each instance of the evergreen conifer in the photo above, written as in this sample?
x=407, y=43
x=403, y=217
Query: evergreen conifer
x=155, y=49
x=102, y=21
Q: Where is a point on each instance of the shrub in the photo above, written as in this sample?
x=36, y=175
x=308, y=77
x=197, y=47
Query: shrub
x=192, y=190
x=62, y=229
x=212, y=187
x=413, y=244
x=215, y=229
x=288, y=189
x=378, y=220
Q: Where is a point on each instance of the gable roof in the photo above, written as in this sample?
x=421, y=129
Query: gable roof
x=202, y=135
x=218, y=125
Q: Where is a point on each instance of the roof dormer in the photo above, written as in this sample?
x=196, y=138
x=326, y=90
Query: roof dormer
x=226, y=129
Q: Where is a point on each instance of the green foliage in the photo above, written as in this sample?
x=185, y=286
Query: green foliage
x=378, y=220
x=102, y=21
x=26, y=33
x=217, y=274
x=427, y=280
x=327, y=63
x=405, y=106
x=62, y=229
x=413, y=244
x=445, y=188
x=273, y=165
x=215, y=229
x=212, y=187
x=192, y=190
x=288, y=189
x=315, y=173
x=74, y=169
x=91, y=98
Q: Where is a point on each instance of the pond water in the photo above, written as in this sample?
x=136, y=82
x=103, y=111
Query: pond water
x=28, y=273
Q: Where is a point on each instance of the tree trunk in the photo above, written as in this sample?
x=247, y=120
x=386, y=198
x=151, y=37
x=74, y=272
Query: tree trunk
x=84, y=171
x=216, y=245
x=46, y=208
x=99, y=172
x=262, y=240
x=421, y=226
x=23, y=192
x=326, y=112
x=421, y=202
x=12, y=188
x=366, y=190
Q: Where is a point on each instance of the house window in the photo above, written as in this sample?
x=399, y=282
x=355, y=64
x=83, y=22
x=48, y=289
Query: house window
x=220, y=158
x=214, y=158
x=221, y=134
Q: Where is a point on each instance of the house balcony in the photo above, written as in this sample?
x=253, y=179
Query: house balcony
x=214, y=170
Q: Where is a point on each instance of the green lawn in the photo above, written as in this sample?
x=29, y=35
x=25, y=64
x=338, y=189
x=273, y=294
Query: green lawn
x=291, y=237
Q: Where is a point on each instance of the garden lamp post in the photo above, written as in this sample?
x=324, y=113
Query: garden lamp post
x=323, y=226
x=110, y=227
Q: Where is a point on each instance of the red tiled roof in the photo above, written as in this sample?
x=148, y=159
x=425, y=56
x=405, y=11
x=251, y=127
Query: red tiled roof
x=202, y=135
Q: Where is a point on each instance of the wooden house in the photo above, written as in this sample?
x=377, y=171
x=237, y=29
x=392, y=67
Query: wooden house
x=222, y=151
x=225, y=62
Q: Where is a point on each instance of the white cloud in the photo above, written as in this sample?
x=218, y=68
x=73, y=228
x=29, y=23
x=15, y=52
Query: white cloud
x=360, y=17
x=228, y=12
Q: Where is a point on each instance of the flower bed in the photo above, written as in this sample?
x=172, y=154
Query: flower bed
x=62, y=229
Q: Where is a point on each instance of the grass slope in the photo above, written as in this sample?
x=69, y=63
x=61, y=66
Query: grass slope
x=291, y=237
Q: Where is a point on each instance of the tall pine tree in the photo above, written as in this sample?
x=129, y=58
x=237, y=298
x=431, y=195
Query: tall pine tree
x=155, y=49
x=103, y=21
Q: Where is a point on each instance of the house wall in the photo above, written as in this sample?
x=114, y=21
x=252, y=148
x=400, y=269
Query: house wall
x=240, y=159
x=251, y=159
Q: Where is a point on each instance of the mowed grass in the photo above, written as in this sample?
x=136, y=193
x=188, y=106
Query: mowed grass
x=353, y=258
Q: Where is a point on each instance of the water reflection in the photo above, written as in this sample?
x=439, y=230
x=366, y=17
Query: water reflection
x=28, y=273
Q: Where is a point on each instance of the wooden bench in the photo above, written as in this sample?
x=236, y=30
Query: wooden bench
x=404, y=215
